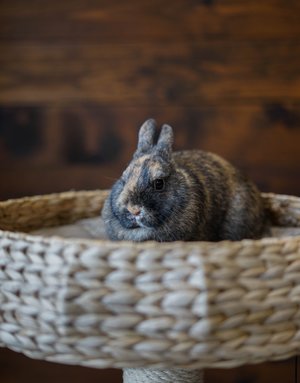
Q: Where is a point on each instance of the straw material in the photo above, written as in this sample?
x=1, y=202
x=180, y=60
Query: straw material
x=184, y=305
x=148, y=375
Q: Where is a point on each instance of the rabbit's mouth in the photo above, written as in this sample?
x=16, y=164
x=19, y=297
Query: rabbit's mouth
x=135, y=221
x=141, y=222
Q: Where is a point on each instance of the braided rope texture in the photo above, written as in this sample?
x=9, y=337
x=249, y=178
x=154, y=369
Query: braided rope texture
x=145, y=375
x=110, y=304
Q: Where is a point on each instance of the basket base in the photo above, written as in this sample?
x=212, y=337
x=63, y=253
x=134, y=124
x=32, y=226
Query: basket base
x=149, y=375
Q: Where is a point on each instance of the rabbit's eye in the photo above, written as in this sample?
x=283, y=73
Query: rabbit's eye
x=159, y=184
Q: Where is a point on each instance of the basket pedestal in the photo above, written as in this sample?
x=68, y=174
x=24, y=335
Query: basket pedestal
x=149, y=375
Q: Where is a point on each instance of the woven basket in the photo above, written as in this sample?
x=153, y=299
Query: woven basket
x=119, y=304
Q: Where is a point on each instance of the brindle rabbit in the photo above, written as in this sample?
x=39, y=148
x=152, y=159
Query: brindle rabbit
x=187, y=195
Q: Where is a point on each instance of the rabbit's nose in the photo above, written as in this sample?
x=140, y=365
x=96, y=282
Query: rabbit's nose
x=134, y=210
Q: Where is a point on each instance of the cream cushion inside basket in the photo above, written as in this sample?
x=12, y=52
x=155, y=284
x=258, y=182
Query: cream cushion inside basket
x=93, y=228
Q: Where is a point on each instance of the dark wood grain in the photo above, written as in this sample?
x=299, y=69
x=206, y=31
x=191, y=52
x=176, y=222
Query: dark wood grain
x=281, y=372
x=81, y=134
x=143, y=21
x=150, y=74
x=17, y=368
x=88, y=146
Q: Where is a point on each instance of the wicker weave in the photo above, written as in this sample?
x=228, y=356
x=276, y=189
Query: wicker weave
x=105, y=304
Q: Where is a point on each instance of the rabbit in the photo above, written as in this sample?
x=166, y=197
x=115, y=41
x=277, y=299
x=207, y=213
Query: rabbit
x=189, y=195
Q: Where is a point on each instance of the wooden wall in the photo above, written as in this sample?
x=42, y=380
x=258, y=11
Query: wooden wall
x=78, y=77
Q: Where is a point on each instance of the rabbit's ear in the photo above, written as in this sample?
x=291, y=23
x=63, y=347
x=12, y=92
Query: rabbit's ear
x=165, y=139
x=146, y=136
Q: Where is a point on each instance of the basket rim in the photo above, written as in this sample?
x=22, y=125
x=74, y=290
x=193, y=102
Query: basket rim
x=15, y=234
x=71, y=192
x=128, y=244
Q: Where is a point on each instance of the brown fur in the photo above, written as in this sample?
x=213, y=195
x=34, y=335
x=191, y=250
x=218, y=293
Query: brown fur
x=203, y=197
